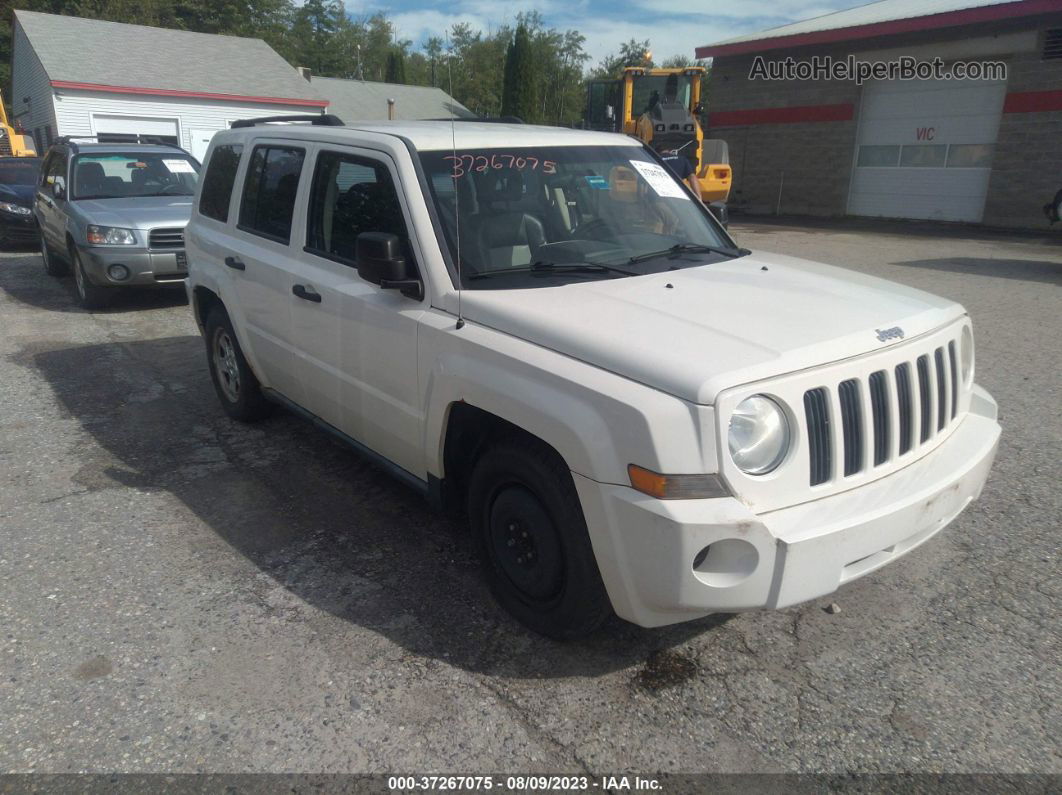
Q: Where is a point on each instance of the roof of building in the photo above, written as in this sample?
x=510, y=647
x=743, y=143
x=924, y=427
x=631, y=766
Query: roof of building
x=361, y=100
x=880, y=19
x=113, y=56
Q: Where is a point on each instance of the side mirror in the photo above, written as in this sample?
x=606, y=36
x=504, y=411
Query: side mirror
x=59, y=188
x=381, y=260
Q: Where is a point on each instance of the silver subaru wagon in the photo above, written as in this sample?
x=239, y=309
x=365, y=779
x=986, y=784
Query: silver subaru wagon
x=114, y=214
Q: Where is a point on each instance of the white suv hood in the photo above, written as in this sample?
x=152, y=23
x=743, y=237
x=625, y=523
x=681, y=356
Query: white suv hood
x=717, y=325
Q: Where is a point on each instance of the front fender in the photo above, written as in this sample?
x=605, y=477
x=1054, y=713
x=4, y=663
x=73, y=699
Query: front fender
x=597, y=421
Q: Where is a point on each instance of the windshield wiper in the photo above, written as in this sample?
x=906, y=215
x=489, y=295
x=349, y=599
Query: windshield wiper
x=578, y=267
x=553, y=267
x=690, y=248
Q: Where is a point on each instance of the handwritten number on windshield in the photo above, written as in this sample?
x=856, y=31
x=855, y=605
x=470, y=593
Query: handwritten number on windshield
x=465, y=164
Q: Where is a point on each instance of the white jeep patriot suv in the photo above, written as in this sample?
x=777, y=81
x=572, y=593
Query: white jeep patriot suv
x=544, y=329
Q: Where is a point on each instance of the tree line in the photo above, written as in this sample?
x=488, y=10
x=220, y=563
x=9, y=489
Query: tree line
x=526, y=69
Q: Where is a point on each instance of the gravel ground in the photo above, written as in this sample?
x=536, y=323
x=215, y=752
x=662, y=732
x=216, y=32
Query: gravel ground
x=181, y=593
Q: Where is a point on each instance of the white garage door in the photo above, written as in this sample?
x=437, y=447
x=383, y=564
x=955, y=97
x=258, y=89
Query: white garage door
x=126, y=128
x=924, y=148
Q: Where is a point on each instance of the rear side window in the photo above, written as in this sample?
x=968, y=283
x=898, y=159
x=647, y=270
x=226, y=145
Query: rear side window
x=269, y=192
x=350, y=195
x=218, y=182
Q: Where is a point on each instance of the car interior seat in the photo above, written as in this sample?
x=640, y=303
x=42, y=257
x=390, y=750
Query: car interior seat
x=503, y=233
x=91, y=179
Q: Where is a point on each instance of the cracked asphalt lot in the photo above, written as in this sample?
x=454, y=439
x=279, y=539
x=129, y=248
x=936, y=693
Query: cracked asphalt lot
x=181, y=593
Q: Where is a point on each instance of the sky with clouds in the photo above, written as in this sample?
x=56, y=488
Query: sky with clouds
x=672, y=26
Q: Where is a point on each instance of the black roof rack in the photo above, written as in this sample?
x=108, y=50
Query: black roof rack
x=151, y=140
x=316, y=119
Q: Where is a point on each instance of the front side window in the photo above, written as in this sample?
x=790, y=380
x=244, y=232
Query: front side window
x=55, y=166
x=269, y=192
x=219, y=180
x=119, y=175
x=350, y=195
x=540, y=216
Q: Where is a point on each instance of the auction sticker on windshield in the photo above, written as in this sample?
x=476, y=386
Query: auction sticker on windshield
x=179, y=166
x=660, y=180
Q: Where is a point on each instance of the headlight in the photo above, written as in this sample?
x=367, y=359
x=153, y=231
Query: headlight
x=15, y=209
x=759, y=435
x=110, y=236
x=966, y=355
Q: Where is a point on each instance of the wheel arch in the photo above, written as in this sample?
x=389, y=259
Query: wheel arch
x=469, y=432
x=203, y=301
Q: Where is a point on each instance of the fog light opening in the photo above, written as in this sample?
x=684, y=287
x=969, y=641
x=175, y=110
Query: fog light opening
x=118, y=273
x=726, y=563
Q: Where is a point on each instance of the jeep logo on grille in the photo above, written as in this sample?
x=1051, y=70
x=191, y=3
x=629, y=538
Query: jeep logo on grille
x=886, y=334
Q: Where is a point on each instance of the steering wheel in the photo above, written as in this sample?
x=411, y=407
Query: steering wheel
x=592, y=230
x=172, y=188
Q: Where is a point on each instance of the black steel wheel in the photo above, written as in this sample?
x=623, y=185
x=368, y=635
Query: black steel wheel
x=534, y=546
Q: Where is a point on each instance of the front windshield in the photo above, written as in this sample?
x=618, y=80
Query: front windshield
x=648, y=90
x=113, y=175
x=20, y=170
x=536, y=216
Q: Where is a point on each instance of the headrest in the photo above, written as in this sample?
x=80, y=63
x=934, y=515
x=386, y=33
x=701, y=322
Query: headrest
x=90, y=171
x=499, y=186
x=622, y=184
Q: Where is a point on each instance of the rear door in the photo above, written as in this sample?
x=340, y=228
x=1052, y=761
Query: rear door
x=357, y=343
x=260, y=263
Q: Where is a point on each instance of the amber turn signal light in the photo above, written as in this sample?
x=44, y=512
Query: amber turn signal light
x=675, y=487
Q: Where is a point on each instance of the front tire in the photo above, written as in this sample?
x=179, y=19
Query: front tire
x=534, y=546
x=89, y=296
x=52, y=265
x=236, y=385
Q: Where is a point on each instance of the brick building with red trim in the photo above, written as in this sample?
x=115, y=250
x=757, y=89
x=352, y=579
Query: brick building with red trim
x=982, y=151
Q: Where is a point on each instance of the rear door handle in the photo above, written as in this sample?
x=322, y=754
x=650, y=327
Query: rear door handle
x=306, y=292
x=235, y=264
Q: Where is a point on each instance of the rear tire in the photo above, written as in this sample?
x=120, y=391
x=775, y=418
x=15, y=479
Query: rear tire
x=52, y=265
x=236, y=385
x=89, y=296
x=534, y=546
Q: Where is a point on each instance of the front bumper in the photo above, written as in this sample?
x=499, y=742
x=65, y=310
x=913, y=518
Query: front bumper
x=646, y=548
x=18, y=228
x=146, y=268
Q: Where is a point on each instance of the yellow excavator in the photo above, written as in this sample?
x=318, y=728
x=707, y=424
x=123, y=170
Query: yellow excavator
x=661, y=107
x=13, y=144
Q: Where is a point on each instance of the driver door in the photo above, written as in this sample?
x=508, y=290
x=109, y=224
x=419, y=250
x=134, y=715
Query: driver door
x=51, y=211
x=357, y=343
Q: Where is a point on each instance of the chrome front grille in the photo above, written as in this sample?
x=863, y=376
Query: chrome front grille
x=166, y=238
x=849, y=425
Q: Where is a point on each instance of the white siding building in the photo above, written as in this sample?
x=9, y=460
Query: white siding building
x=74, y=76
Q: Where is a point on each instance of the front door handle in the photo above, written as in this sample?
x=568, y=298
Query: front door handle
x=235, y=264
x=306, y=292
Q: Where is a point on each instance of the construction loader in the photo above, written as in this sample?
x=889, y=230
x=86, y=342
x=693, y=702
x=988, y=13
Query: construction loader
x=13, y=144
x=661, y=107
